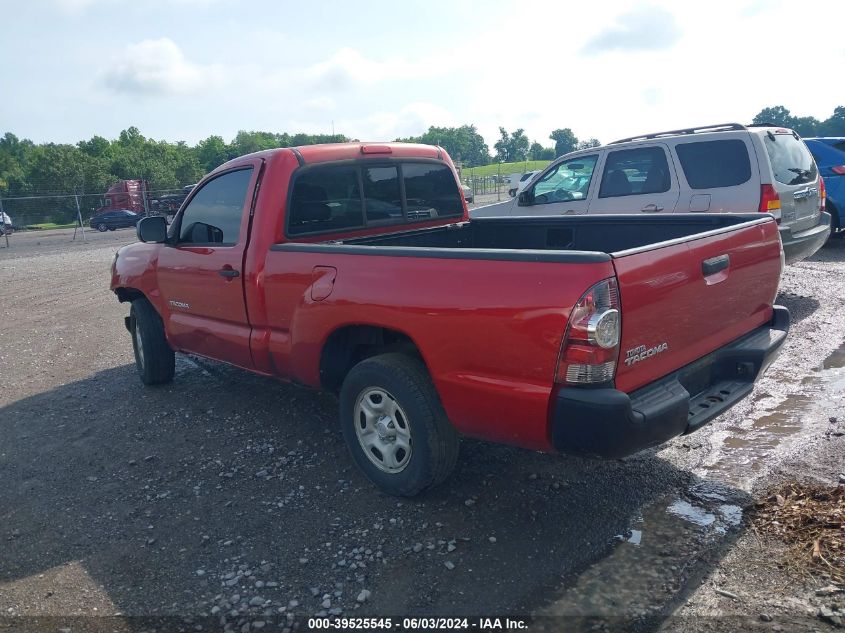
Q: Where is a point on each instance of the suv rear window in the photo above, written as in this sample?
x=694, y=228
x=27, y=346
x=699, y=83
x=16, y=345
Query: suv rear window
x=714, y=164
x=329, y=198
x=792, y=163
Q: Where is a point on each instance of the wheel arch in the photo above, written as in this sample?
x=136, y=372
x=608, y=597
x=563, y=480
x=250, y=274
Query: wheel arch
x=126, y=294
x=348, y=345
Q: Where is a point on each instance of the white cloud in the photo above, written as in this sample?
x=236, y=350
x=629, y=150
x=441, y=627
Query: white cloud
x=643, y=29
x=77, y=6
x=158, y=67
x=412, y=120
x=320, y=104
x=348, y=68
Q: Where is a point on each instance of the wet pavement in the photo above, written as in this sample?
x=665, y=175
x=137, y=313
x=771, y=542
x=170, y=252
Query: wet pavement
x=116, y=497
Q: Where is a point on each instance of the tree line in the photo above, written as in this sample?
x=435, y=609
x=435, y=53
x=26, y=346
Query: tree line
x=89, y=167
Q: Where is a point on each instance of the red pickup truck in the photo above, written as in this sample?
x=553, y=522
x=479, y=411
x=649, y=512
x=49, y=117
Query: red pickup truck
x=353, y=268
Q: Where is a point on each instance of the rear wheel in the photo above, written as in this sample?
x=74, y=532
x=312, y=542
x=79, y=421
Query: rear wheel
x=154, y=360
x=395, y=426
x=102, y=228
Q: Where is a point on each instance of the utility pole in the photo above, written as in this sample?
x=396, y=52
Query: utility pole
x=498, y=180
x=79, y=220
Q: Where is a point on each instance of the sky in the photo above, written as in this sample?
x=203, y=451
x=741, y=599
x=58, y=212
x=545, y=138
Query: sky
x=182, y=70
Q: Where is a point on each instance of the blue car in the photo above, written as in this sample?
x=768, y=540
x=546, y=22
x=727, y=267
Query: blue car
x=830, y=158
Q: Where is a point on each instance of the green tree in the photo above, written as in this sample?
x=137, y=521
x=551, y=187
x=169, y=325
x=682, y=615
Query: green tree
x=512, y=147
x=777, y=115
x=565, y=141
x=212, y=152
x=463, y=143
x=535, y=151
x=835, y=125
x=590, y=142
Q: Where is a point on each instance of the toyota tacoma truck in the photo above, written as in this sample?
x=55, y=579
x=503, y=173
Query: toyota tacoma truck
x=353, y=268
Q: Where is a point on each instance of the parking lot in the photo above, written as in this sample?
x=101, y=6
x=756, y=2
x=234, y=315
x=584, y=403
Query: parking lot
x=232, y=496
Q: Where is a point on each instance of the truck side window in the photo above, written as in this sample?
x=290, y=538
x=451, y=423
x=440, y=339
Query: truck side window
x=631, y=172
x=213, y=216
x=325, y=199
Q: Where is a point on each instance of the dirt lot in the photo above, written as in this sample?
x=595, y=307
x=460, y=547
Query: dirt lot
x=226, y=499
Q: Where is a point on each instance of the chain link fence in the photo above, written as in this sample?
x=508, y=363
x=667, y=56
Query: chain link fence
x=65, y=210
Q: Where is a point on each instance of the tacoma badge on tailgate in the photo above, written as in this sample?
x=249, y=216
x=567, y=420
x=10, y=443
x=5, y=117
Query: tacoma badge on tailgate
x=635, y=355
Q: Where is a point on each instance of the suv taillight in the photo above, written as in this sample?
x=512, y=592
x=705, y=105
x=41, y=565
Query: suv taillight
x=769, y=199
x=822, y=194
x=590, y=346
x=838, y=169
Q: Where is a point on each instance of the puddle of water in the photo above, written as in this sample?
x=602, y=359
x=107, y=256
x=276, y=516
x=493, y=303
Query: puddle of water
x=836, y=360
x=746, y=450
x=691, y=513
x=652, y=558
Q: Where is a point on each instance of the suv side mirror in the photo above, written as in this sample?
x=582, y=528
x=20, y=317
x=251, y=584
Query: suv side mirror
x=152, y=230
x=526, y=198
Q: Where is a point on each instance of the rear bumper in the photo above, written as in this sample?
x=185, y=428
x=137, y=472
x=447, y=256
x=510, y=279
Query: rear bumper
x=606, y=422
x=798, y=246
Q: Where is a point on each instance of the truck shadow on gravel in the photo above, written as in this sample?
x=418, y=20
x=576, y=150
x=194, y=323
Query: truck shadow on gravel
x=229, y=492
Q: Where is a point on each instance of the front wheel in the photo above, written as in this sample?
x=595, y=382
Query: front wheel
x=102, y=228
x=154, y=359
x=395, y=426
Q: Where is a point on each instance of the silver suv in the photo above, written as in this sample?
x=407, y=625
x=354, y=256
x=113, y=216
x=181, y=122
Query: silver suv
x=728, y=168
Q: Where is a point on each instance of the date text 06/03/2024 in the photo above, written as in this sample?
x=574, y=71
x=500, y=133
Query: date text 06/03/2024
x=417, y=624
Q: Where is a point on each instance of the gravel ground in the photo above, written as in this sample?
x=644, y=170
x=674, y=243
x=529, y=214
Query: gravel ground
x=231, y=497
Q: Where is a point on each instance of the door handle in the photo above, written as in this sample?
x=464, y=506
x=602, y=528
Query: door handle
x=228, y=273
x=715, y=264
x=651, y=208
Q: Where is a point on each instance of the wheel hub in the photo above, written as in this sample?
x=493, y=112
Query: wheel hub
x=383, y=430
x=386, y=429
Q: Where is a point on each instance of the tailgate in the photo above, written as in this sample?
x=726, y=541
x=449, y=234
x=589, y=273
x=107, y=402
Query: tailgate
x=685, y=298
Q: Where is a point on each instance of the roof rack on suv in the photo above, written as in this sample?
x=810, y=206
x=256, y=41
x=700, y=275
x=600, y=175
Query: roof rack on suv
x=722, y=127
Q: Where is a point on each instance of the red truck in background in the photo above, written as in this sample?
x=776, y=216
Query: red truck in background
x=353, y=268
x=125, y=195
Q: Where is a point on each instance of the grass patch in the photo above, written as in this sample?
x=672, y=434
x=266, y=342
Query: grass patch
x=49, y=225
x=505, y=169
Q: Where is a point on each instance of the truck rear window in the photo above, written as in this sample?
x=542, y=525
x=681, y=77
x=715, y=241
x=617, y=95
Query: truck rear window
x=714, y=164
x=329, y=198
x=792, y=163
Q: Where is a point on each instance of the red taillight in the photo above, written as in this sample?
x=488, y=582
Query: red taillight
x=839, y=169
x=590, y=346
x=769, y=199
x=822, y=194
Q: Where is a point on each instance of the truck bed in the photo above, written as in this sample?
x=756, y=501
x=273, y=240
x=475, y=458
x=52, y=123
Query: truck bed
x=585, y=234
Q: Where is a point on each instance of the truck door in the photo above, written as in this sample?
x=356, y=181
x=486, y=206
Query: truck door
x=200, y=274
x=638, y=180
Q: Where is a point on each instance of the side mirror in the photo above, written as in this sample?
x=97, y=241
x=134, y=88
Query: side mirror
x=152, y=230
x=526, y=198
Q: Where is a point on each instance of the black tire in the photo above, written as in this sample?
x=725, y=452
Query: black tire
x=512, y=193
x=433, y=440
x=154, y=360
x=102, y=228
